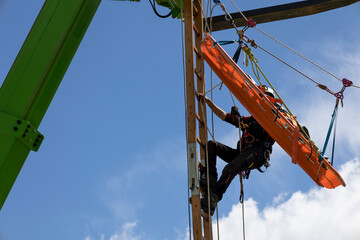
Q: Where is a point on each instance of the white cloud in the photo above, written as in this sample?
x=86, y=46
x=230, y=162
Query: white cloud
x=280, y=198
x=127, y=233
x=316, y=214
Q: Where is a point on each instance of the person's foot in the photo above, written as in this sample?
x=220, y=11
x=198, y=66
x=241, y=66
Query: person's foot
x=213, y=203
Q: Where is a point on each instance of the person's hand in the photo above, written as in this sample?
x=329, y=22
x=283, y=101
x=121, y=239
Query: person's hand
x=235, y=110
x=199, y=96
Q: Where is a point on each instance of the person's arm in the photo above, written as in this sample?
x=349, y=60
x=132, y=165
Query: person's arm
x=217, y=110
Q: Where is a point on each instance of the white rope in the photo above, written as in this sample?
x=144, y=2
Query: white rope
x=239, y=10
x=212, y=88
x=240, y=175
x=307, y=59
x=186, y=125
x=242, y=208
x=297, y=53
x=287, y=64
x=212, y=127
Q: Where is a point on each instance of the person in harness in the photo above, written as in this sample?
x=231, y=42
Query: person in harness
x=252, y=152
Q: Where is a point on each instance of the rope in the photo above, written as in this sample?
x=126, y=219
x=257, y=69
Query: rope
x=250, y=56
x=241, y=181
x=211, y=89
x=326, y=71
x=242, y=205
x=217, y=224
x=239, y=10
x=186, y=125
x=207, y=163
x=259, y=69
x=252, y=24
x=212, y=113
x=254, y=60
x=212, y=135
x=287, y=64
x=203, y=13
x=228, y=16
x=232, y=98
x=302, y=56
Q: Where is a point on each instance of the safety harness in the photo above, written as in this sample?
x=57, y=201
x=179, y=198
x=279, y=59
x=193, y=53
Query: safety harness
x=254, y=138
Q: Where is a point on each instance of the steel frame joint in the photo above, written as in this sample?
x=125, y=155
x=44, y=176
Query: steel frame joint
x=22, y=130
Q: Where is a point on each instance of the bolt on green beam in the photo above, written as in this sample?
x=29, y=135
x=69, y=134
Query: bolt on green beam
x=34, y=78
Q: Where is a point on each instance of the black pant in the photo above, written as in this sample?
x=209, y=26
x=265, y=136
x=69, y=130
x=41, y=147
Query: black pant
x=248, y=158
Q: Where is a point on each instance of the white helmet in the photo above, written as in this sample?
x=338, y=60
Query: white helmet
x=269, y=91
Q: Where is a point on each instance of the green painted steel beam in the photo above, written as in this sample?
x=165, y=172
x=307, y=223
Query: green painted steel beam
x=34, y=78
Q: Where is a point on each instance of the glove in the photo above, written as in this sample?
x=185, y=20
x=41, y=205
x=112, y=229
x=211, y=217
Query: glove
x=235, y=111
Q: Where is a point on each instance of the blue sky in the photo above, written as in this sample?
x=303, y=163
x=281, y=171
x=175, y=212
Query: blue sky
x=113, y=162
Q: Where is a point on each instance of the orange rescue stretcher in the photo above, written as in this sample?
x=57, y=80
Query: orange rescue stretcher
x=282, y=127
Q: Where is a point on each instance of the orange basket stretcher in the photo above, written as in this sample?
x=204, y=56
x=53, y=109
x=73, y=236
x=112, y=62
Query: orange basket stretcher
x=282, y=127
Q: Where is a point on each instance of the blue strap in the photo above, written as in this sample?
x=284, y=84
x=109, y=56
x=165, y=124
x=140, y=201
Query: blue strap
x=226, y=42
x=321, y=157
x=237, y=54
x=216, y=1
x=238, y=50
x=333, y=147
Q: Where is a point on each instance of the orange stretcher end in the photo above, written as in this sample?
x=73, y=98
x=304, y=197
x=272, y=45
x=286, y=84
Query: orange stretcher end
x=282, y=127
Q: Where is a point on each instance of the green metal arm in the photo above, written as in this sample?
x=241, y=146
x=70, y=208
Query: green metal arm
x=34, y=78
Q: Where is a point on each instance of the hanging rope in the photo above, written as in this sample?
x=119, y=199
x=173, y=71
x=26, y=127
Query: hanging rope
x=242, y=204
x=258, y=69
x=241, y=198
x=186, y=125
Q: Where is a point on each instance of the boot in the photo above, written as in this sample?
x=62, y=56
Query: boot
x=213, y=203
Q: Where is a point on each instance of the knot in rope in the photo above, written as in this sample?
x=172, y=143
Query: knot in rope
x=248, y=40
x=323, y=87
x=253, y=43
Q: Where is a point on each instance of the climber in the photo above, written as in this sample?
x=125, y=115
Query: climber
x=252, y=152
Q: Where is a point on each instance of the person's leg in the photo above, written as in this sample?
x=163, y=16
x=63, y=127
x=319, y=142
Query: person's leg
x=227, y=154
x=215, y=149
x=239, y=163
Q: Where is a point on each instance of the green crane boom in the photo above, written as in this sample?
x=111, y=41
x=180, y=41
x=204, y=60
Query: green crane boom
x=34, y=78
